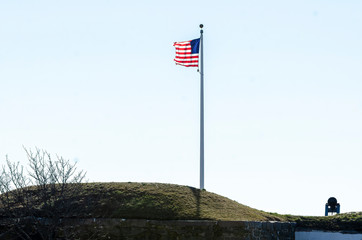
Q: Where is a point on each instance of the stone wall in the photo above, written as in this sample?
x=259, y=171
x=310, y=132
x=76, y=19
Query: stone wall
x=127, y=229
x=184, y=229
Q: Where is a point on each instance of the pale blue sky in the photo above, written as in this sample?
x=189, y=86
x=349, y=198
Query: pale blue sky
x=95, y=82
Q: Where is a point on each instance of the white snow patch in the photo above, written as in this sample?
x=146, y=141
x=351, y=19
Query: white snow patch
x=320, y=235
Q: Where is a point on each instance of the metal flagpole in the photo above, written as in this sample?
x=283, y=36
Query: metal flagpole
x=201, y=110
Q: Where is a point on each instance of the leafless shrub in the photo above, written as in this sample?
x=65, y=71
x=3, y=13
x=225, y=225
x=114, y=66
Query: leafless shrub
x=36, y=199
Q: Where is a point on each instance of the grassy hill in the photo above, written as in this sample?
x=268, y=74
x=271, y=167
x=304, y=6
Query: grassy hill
x=174, y=202
x=161, y=201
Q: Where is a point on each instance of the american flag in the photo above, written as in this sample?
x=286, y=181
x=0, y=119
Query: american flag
x=187, y=53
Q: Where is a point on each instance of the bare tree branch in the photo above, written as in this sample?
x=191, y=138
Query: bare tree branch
x=39, y=196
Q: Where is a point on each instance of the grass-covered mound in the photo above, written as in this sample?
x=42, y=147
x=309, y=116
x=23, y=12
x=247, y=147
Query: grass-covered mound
x=129, y=201
x=132, y=201
x=160, y=201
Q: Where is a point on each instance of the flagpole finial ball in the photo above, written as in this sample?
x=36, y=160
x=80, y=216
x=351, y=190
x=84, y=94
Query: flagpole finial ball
x=201, y=25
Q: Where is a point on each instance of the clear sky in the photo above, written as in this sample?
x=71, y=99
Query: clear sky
x=95, y=82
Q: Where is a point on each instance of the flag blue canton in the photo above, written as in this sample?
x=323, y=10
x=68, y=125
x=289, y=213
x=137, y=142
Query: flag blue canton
x=195, y=45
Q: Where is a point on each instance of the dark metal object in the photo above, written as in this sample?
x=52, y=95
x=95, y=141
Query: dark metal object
x=332, y=206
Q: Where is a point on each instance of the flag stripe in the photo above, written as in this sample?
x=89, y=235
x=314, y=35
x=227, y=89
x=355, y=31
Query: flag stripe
x=187, y=60
x=186, y=56
x=183, y=46
x=182, y=43
x=183, y=50
x=188, y=65
x=192, y=57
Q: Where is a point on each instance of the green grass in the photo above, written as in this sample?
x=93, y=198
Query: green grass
x=161, y=201
x=346, y=221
